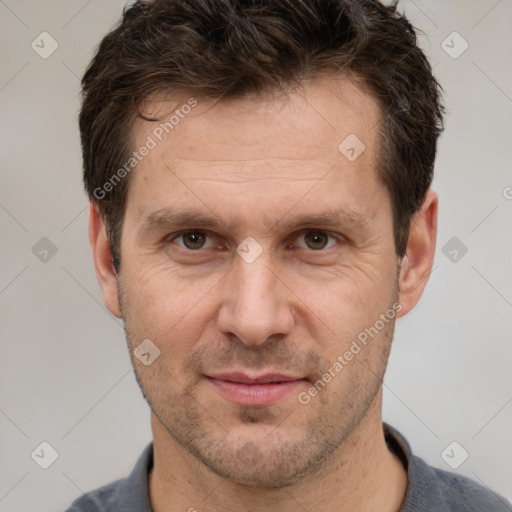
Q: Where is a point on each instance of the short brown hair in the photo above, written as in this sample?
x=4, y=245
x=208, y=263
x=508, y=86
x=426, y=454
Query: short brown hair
x=230, y=48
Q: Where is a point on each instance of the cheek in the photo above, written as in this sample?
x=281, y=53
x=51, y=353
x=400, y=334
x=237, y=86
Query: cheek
x=166, y=309
x=349, y=298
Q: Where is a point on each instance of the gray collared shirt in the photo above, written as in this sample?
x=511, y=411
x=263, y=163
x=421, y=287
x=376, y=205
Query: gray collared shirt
x=429, y=489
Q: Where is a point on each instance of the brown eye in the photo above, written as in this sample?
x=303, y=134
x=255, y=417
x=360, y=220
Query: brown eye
x=316, y=239
x=192, y=240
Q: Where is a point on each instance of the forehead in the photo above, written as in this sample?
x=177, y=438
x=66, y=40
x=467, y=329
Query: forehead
x=297, y=136
x=312, y=119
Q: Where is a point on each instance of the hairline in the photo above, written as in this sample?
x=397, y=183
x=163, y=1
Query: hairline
x=170, y=94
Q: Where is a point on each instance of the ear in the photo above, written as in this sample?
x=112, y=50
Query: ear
x=102, y=255
x=416, y=265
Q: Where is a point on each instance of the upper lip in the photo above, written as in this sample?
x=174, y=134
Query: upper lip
x=242, y=378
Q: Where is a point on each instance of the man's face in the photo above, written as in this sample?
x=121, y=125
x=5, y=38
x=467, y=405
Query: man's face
x=230, y=313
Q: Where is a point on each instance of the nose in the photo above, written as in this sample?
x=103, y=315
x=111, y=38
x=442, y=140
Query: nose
x=256, y=303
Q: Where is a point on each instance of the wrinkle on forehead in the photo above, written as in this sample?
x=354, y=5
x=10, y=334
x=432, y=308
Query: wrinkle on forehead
x=305, y=122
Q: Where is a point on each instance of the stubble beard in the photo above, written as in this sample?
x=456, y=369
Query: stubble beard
x=277, y=459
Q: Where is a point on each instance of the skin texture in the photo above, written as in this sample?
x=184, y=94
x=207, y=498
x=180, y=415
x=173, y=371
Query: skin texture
x=256, y=165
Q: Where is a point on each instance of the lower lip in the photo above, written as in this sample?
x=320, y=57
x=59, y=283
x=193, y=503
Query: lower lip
x=256, y=395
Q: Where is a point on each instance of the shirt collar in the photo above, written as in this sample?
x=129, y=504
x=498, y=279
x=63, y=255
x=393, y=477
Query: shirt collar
x=133, y=492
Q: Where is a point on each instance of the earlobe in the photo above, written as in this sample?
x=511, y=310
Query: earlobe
x=102, y=255
x=416, y=265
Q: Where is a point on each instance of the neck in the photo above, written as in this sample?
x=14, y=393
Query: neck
x=361, y=475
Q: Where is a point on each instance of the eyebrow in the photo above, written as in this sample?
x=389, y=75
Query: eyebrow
x=168, y=218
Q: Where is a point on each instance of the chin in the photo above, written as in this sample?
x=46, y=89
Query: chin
x=265, y=463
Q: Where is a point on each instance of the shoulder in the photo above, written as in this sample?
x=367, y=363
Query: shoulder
x=99, y=500
x=430, y=488
x=449, y=492
x=124, y=495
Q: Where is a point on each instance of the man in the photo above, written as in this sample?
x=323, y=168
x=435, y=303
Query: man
x=259, y=177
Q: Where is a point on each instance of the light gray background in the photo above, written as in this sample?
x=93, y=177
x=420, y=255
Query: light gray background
x=65, y=375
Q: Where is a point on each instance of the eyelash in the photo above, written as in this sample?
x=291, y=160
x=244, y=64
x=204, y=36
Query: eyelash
x=172, y=238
